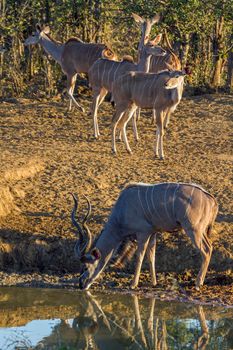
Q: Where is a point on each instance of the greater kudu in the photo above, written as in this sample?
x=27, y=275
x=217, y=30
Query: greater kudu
x=74, y=56
x=161, y=92
x=157, y=64
x=142, y=210
x=104, y=72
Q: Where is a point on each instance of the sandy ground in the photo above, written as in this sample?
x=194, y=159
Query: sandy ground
x=47, y=153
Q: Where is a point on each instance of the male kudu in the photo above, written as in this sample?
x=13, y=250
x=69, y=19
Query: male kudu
x=142, y=210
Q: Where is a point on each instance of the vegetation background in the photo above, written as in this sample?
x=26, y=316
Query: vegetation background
x=200, y=32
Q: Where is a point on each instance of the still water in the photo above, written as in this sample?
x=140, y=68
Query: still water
x=60, y=319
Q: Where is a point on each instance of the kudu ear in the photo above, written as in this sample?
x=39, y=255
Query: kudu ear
x=156, y=40
x=155, y=19
x=46, y=30
x=109, y=54
x=138, y=18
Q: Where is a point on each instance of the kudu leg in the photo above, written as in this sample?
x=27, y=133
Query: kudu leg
x=124, y=122
x=115, y=120
x=159, y=135
x=206, y=252
x=138, y=114
x=70, y=87
x=94, y=108
x=134, y=122
x=150, y=252
x=142, y=246
x=204, y=246
x=102, y=95
x=153, y=118
x=167, y=120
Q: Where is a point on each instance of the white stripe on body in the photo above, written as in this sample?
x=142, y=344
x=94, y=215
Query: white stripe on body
x=200, y=211
x=144, y=94
x=118, y=66
x=163, y=60
x=98, y=70
x=133, y=89
x=165, y=202
x=173, y=200
x=156, y=95
x=102, y=76
x=147, y=202
x=88, y=55
x=153, y=204
x=109, y=75
x=189, y=203
x=149, y=221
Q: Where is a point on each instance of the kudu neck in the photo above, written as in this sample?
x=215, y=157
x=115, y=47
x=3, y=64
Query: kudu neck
x=144, y=62
x=107, y=241
x=52, y=48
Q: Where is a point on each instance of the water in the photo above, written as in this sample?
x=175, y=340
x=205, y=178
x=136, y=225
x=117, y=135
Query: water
x=57, y=319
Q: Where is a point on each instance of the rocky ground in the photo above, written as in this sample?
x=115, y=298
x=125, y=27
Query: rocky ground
x=47, y=153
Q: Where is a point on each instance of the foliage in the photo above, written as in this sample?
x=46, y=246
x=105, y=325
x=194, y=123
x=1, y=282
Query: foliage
x=200, y=32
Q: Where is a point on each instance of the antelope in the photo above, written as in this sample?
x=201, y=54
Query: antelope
x=161, y=92
x=104, y=72
x=157, y=64
x=142, y=210
x=74, y=56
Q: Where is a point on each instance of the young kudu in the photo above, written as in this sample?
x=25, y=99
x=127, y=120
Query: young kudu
x=161, y=92
x=142, y=210
x=74, y=56
x=104, y=72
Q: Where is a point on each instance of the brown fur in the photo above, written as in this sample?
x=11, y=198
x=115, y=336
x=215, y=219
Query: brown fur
x=128, y=58
x=73, y=39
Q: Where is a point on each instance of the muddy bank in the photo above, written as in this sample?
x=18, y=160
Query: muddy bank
x=217, y=291
x=47, y=153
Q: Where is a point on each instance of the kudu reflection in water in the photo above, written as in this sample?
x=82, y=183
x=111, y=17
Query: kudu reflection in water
x=131, y=326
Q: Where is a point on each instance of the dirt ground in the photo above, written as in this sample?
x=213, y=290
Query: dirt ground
x=46, y=153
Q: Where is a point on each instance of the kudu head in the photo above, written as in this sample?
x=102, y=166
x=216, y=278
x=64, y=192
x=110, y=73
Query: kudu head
x=37, y=35
x=152, y=47
x=174, y=78
x=88, y=255
x=146, y=25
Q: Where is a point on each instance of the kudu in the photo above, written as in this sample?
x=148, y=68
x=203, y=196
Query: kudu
x=161, y=92
x=142, y=210
x=74, y=56
x=157, y=64
x=104, y=72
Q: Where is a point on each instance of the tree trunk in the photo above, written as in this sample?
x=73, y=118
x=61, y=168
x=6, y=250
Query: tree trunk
x=185, y=51
x=216, y=79
x=229, y=82
x=218, y=47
